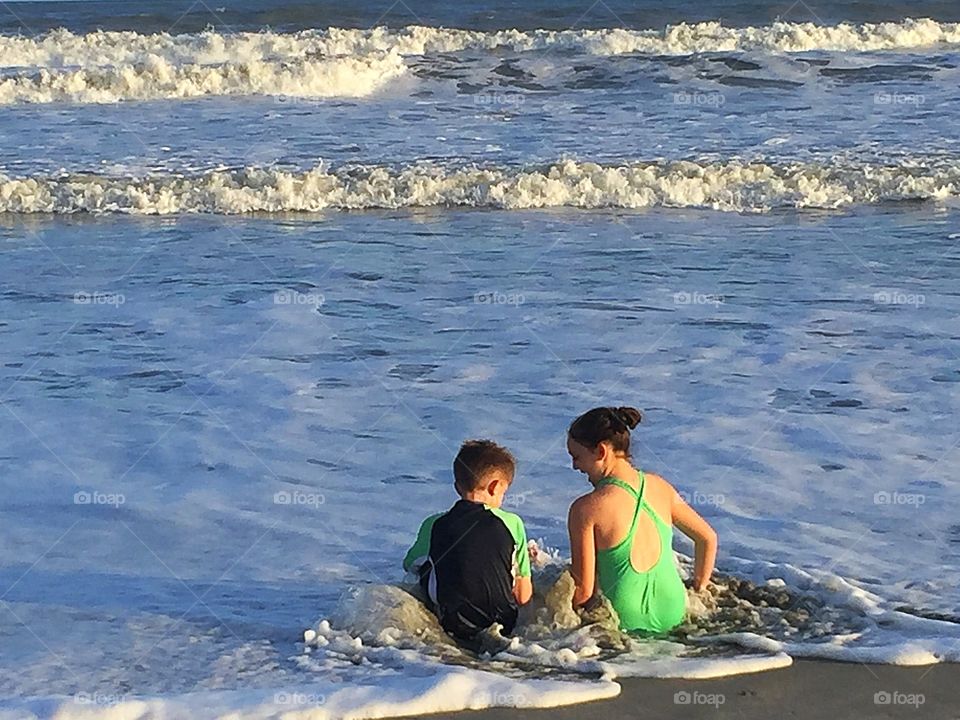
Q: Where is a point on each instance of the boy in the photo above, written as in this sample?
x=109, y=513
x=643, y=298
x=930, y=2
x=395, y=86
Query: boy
x=472, y=560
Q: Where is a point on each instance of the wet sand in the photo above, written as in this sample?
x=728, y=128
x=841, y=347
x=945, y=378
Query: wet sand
x=807, y=689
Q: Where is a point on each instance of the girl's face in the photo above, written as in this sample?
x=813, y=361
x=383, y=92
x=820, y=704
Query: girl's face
x=586, y=460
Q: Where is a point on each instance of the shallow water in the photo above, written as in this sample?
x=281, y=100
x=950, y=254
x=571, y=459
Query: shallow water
x=351, y=405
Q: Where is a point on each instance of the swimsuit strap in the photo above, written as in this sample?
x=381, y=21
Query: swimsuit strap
x=641, y=503
x=637, y=494
x=621, y=484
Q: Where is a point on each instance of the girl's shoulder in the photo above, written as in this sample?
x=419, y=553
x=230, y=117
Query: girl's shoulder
x=659, y=493
x=586, y=506
x=658, y=482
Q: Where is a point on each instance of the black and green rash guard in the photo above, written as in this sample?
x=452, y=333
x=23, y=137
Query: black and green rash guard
x=468, y=558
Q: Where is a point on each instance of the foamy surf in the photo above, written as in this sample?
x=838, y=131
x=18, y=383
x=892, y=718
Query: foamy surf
x=843, y=622
x=62, y=48
x=429, y=688
x=758, y=619
x=156, y=78
x=733, y=186
x=551, y=640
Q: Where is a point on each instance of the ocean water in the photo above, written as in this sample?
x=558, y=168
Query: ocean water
x=265, y=265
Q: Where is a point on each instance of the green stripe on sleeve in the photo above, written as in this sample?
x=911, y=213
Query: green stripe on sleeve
x=515, y=526
x=421, y=546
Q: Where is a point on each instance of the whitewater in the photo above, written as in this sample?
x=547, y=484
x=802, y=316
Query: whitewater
x=734, y=187
x=110, y=66
x=62, y=48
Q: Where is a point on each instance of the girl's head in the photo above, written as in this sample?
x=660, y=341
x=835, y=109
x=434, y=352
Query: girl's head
x=599, y=437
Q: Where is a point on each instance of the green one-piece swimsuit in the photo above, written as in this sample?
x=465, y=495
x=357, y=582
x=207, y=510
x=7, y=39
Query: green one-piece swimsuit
x=654, y=600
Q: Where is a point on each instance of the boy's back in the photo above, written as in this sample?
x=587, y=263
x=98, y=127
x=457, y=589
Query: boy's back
x=472, y=555
x=472, y=559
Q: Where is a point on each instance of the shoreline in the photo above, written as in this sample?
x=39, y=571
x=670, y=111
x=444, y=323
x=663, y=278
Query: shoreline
x=806, y=689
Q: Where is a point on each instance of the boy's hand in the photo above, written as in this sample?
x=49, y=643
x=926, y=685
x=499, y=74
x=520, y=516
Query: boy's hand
x=523, y=590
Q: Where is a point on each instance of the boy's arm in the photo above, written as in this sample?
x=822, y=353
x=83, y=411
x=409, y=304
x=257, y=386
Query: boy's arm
x=522, y=581
x=421, y=546
x=523, y=590
x=704, y=537
x=523, y=584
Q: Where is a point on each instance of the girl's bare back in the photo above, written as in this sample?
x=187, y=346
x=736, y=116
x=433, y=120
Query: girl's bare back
x=613, y=511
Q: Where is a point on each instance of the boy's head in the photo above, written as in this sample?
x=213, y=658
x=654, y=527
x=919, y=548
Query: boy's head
x=483, y=470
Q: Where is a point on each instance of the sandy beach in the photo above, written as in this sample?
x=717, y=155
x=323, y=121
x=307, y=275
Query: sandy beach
x=808, y=689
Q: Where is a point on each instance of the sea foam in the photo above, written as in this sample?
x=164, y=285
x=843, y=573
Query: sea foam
x=757, y=619
x=727, y=186
x=64, y=49
x=157, y=78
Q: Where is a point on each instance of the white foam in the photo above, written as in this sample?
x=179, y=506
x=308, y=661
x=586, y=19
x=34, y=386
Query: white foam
x=426, y=689
x=372, y=622
x=157, y=78
x=61, y=48
x=729, y=186
x=886, y=635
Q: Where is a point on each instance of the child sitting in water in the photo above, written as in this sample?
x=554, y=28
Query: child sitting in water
x=472, y=560
x=621, y=533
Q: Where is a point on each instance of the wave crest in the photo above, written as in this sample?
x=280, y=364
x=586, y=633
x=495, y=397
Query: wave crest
x=728, y=186
x=62, y=48
x=157, y=78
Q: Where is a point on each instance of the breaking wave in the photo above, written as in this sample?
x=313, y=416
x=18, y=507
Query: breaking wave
x=734, y=186
x=114, y=66
x=157, y=78
x=62, y=48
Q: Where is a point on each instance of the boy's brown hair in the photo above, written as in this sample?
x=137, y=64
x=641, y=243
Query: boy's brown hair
x=477, y=459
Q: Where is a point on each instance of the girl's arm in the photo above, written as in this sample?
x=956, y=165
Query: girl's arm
x=583, y=553
x=704, y=539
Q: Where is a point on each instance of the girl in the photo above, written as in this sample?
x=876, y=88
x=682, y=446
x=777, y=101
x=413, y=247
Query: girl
x=621, y=533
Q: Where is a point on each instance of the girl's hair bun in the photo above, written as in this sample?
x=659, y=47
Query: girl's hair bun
x=629, y=416
x=606, y=424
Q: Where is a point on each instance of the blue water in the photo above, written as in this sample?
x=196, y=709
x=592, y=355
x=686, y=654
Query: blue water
x=793, y=354
x=185, y=16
